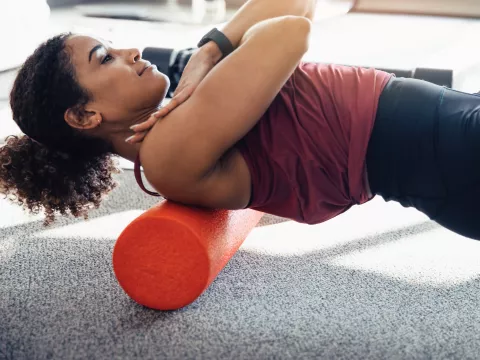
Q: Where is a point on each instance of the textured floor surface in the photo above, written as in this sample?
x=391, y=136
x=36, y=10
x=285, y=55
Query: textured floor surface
x=377, y=282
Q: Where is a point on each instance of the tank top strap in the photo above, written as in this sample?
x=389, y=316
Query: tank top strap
x=138, y=177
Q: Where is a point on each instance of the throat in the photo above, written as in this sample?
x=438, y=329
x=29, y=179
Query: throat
x=124, y=149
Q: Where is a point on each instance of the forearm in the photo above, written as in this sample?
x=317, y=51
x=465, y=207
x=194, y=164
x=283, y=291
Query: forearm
x=253, y=12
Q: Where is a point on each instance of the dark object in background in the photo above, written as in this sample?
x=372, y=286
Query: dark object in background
x=437, y=76
x=442, y=77
x=159, y=57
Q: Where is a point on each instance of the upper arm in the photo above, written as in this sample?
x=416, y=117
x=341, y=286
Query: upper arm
x=226, y=105
x=226, y=186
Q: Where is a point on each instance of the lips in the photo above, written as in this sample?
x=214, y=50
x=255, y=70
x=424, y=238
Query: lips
x=147, y=65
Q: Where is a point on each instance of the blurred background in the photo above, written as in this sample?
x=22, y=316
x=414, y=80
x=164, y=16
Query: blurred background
x=437, y=39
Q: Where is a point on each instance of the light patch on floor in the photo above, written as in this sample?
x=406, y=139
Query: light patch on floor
x=105, y=227
x=8, y=247
x=441, y=259
x=379, y=238
x=14, y=215
x=292, y=239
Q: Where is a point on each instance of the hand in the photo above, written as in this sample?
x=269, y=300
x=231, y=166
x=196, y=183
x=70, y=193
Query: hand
x=199, y=65
x=201, y=62
x=141, y=130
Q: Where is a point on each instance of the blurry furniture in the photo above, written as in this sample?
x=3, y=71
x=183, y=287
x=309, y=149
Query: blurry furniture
x=188, y=12
x=460, y=8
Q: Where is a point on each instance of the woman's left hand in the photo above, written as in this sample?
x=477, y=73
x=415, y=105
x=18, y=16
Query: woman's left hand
x=141, y=130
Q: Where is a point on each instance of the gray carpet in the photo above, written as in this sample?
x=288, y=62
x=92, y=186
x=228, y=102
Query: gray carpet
x=379, y=282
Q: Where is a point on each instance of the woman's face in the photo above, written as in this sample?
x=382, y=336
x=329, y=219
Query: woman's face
x=118, y=79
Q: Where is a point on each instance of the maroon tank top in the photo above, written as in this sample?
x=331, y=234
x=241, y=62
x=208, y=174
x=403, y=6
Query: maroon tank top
x=306, y=155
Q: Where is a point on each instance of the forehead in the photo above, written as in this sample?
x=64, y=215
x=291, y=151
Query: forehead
x=79, y=47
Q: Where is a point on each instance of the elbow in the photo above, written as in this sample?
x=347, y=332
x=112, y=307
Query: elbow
x=299, y=28
x=306, y=31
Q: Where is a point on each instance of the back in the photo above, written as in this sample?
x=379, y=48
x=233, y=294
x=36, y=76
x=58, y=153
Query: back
x=307, y=154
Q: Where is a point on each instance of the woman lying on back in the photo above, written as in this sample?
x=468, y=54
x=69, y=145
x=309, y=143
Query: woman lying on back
x=251, y=126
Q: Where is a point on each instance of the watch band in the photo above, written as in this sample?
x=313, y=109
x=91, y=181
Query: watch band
x=220, y=39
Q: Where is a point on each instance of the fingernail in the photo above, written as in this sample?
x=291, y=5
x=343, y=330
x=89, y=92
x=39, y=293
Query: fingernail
x=129, y=138
x=133, y=127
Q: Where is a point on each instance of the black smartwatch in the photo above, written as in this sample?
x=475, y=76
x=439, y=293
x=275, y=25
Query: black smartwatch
x=220, y=39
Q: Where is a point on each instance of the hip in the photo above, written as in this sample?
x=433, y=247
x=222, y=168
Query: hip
x=425, y=144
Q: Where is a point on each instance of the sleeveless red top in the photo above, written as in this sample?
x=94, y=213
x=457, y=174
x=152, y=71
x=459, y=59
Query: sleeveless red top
x=306, y=154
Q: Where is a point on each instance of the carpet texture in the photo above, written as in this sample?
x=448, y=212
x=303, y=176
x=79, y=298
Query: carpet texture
x=378, y=282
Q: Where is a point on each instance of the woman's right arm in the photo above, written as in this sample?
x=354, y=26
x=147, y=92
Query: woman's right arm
x=204, y=59
x=181, y=150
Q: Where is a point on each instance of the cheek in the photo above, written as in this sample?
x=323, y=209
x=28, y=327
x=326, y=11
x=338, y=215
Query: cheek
x=126, y=92
x=106, y=89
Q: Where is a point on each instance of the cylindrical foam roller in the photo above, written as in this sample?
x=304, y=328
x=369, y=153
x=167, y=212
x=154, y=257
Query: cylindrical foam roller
x=168, y=256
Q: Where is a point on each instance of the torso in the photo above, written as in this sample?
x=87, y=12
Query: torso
x=306, y=155
x=305, y=158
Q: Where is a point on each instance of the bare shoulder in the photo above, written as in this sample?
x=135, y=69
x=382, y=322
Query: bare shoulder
x=226, y=186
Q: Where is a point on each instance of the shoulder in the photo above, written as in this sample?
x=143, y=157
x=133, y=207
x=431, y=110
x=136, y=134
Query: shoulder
x=226, y=186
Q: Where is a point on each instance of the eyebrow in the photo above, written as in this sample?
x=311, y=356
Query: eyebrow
x=95, y=48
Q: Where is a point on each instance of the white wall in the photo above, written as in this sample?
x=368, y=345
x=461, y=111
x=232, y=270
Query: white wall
x=23, y=26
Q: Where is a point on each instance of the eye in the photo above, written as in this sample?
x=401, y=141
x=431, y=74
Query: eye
x=106, y=58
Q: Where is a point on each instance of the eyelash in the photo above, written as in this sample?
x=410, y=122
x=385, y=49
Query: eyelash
x=105, y=58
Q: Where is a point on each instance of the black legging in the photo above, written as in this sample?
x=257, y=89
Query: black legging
x=425, y=152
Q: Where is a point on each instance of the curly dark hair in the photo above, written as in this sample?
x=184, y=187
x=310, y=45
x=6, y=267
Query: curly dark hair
x=53, y=166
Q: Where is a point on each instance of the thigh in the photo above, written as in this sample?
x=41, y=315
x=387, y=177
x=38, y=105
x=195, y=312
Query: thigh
x=458, y=153
x=425, y=153
x=461, y=213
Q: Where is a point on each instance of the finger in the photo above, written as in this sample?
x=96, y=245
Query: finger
x=169, y=107
x=162, y=112
x=184, y=94
x=159, y=113
x=165, y=110
x=178, y=99
x=138, y=137
x=145, y=125
x=178, y=90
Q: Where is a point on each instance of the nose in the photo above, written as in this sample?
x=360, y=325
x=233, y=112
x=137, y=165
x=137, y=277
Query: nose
x=134, y=55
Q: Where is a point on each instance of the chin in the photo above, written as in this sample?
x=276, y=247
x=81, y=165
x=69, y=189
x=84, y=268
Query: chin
x=156, y=90
x=161, y=88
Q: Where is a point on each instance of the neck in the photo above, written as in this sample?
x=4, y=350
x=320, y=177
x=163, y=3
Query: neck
x=117, y=136
x=126, y=150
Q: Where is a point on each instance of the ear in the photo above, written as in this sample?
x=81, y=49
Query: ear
x=82, y=119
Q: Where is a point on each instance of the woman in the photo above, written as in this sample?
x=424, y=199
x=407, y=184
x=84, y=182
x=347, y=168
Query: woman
x=257, y=129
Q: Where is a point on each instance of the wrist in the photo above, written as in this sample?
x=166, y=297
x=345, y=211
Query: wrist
x=212, y=51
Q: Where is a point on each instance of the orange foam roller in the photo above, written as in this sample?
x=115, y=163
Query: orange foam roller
x=168, y=256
